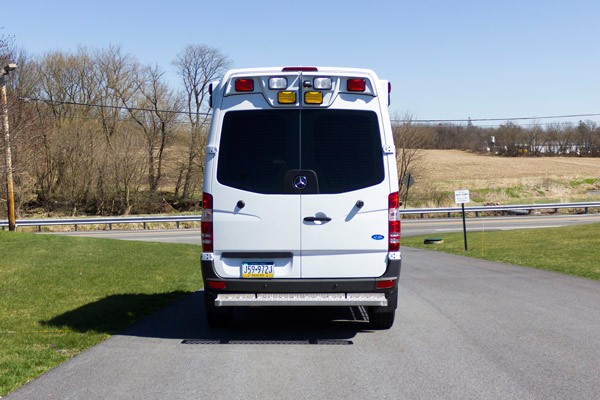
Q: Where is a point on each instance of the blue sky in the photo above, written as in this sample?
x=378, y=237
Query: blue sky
x=445, y=59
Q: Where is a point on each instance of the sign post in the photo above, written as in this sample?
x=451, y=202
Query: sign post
x=462, y=197
x=408, y=181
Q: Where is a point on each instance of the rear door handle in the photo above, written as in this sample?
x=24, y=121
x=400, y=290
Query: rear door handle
x=314, y=219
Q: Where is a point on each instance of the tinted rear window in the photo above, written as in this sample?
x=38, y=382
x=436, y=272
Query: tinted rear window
x=343, y=148
x=258, y=147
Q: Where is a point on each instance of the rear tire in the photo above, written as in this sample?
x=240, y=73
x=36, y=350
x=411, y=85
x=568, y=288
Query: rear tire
x=382, y=320
x=217, y=317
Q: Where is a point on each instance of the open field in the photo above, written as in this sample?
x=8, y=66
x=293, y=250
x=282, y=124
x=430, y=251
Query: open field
x=460, y=165
x=503, y=180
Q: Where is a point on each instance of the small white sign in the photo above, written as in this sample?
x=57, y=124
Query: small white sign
x=461, y=196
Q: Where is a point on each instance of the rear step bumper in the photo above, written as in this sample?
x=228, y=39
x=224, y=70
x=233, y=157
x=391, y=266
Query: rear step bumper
x=301, y=299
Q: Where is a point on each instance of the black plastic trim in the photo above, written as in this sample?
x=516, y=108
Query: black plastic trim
x=343, y=285
x=257, y=254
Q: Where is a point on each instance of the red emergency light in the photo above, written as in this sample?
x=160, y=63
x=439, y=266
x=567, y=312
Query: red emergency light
x=356, y=85
x=244, y=85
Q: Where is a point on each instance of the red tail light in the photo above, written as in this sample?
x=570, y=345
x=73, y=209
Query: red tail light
x=206, y=225
x=356, y=85
x=393, y=223
x=387, y=284
x=217, y=285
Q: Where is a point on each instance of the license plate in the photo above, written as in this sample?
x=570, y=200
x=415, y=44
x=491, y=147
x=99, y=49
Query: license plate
x=257, y=270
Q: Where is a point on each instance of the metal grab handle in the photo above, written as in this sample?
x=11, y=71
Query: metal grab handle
x=320, y=219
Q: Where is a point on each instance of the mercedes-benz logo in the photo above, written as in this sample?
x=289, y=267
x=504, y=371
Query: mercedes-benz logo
x=300, y=182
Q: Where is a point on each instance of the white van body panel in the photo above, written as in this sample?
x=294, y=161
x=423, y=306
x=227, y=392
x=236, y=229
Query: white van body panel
x=345, y=245
x=262, y=225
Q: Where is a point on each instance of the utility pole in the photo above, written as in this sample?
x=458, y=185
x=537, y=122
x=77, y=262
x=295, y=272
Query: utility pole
x=10, y=195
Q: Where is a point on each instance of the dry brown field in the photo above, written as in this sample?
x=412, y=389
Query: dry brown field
x=504, y=180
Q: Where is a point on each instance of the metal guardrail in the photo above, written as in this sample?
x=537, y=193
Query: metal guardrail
x=514, y=208
x=109, y=221
x=178, y=219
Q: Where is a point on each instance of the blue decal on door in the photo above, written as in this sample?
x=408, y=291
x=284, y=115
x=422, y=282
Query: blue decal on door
x=377, y=237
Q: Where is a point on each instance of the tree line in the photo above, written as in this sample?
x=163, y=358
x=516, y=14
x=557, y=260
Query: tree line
x=555, y=139
x=98, y=132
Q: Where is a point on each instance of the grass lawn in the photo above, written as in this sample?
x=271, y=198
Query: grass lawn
x=61, y=295
x=573, y=250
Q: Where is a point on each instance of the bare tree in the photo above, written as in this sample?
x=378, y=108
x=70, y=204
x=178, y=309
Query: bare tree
x=587, y=138
x=510, y=139
x=567, y=133
x=119, y=180
x=197, y=65
x=154, y=109
x=117, y=75
x=410, y=141
x=533, y=140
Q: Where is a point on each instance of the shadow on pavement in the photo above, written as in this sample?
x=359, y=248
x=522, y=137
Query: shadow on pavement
x=185, y=320
x=112, y=313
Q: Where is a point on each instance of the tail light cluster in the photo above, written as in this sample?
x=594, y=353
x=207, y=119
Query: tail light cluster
x=393, y=222
x=206, y=225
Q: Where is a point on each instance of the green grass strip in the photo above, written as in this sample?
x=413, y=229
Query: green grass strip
x=573, y=250
x=60, y=295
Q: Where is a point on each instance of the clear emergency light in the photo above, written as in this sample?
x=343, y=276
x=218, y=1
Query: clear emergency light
x=278, y=82
x=322, y=83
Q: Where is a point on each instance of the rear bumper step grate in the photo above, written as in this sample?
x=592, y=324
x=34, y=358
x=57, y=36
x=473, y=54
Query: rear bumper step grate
x=301, y=299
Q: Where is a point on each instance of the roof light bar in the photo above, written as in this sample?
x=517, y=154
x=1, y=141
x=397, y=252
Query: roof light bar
x=277, y=82
x=244, y=85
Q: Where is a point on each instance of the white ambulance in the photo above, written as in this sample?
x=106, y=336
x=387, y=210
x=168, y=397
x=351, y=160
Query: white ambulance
x=300, y=193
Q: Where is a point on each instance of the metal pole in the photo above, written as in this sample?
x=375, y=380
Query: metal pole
x=464, y=225
x=10, y=196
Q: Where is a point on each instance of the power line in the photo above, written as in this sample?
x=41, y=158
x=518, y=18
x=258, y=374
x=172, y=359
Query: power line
x=502, y=119
x=125, y=108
